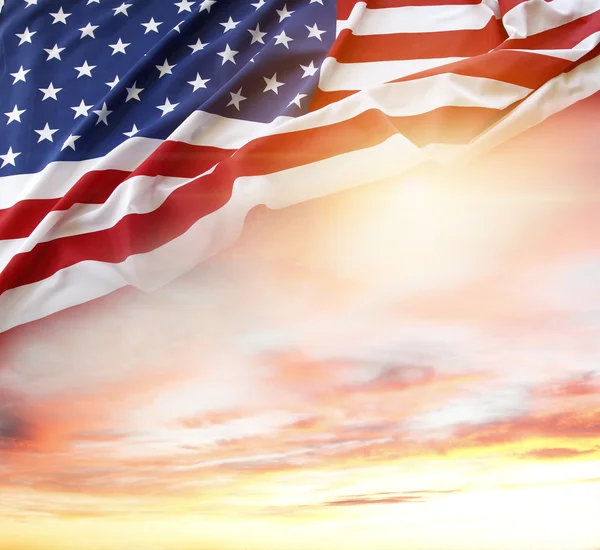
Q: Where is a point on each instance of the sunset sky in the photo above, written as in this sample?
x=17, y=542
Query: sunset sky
x=409, y=365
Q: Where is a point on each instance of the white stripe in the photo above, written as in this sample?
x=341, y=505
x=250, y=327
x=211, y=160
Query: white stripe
x=209, y=130
x=334, y=174
x=536, y=16
x=352, y=20
x=573, y=54
x=552, y=97
x=420, y=19
x=58, y=177
x=414, y=97
x=359, y=76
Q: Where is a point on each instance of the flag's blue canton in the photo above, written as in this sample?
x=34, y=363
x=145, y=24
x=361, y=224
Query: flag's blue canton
x=82, y=76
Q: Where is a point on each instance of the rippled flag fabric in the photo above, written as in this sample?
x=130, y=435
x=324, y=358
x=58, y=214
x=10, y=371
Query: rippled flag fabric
x=138, y=135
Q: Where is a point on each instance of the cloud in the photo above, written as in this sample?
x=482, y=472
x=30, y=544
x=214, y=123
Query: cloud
x=213, y=418
x=16, y=429
x=407, y=497
x=400, y=377
x=572, y=424
x=479, y=405
x=583, y=385
x=559, y=453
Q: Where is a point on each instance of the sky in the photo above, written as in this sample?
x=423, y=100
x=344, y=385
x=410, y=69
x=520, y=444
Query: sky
x=409, y=365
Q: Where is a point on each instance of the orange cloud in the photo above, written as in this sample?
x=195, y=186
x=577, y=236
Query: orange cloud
x=558, y=453
x=407, y=497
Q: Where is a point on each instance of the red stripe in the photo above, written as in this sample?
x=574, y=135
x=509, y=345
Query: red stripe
x=93, y=188
x=507, y=5
x=344, y=8
x=349, y=48
x=181, y=160
x=379, y=4
x=452, y=125
x=507, y=66
x=504, y=65
x=322, y=99
x=564, y=37
x=171, y=159
x=139, y=233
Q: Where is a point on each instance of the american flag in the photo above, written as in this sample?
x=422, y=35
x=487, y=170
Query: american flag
x=138, y=134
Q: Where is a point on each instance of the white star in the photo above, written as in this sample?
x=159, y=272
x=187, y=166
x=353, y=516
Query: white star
x=10, y=157
x=230, y=24
x=134, y=131
x=316, y=2
x=151, y=26
x=133, y=92
x=184, y=5
x=314, y=32
x=206, y=5
x=284, y=13
x=228, y=54
x=88, y=30
x=85, y=70
x=282, y=38
x=236, y=99
x=297, y=99
x=31, y=3
x=165, y=68
x=167, y=107
x=199, y=82
x=50, y=91
x=54, y=53
x=257, y=36
x=20, y=75
x=15, y=114
x=60, y=17
x=46, y=133
x=272, y=84
x=197, y=46
x=259, y=4
x=113, y=83
x=119, y=47
x=70, y=142
x=102, y=114
x=82, y=109
x=26, y=36
x=176, y=27
x=122, y=9
x=92, y=2
x=309, y=69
